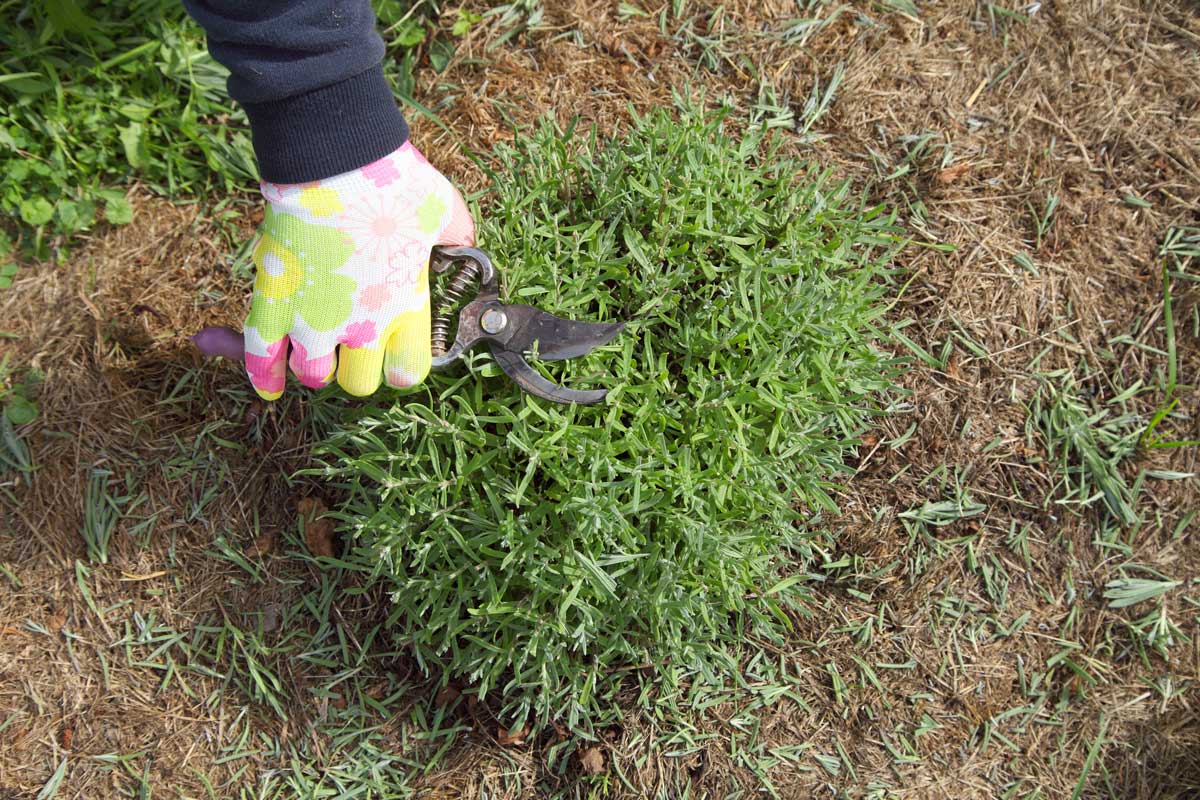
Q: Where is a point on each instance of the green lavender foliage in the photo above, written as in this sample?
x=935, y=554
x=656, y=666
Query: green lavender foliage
x=534, y=550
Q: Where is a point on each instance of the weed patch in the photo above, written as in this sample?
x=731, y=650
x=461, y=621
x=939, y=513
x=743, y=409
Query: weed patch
x=1089, y=445
x=539, y=551
x=98, y=96
x=124, y=92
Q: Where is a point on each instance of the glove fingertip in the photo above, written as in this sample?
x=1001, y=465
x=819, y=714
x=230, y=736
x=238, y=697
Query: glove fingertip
x=407, y=358
x=268, y=373
x=269, y=396
x=313, y=371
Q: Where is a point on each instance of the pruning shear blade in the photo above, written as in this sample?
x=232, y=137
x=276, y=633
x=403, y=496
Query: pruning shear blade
x=557, y=339
x=511, y=330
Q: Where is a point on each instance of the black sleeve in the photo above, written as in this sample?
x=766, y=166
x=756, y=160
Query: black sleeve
x=310, y=77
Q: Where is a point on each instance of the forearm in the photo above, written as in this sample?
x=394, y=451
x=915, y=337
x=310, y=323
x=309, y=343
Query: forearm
x=309, y=75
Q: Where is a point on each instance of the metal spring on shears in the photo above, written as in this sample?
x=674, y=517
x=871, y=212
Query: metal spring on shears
x=440, y=331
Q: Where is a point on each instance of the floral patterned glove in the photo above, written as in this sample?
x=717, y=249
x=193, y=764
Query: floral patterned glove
x=343, y=276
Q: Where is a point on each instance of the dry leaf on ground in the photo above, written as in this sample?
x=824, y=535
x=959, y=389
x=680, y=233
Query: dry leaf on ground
x=264, y=543
x=56, y=621
x=515, y=736
x=953, y=173
x=592, y=760
x=318, y=531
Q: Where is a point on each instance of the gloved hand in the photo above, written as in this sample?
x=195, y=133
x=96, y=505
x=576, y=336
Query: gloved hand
x=343, y=276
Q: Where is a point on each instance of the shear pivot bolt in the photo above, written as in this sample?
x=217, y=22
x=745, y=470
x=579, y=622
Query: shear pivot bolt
x=493, y=321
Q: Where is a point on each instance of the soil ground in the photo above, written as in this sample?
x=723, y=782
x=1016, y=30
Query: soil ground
x=964, y=119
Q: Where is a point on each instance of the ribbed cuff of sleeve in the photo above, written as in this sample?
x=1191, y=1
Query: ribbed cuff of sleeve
x=327, y=131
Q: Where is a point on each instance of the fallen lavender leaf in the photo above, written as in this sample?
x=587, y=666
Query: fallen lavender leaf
x=220, y=341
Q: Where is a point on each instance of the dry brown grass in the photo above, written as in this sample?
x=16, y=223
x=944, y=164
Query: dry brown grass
x=1102, y=100
x=105, y=331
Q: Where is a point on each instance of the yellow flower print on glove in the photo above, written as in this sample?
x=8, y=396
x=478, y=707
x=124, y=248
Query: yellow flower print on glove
x=342, y=276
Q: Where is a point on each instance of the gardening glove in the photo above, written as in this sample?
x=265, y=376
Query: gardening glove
x=342, y=275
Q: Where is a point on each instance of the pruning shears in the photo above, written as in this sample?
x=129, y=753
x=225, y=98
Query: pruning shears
x=510, y=331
